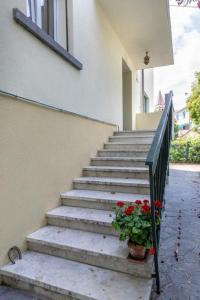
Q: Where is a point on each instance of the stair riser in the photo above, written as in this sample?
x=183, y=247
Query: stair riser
x=85, y=225
x=112, y=188
x=117, y=163
x=136, y=133
x=41, y=291
x=136, y=140
x=125, y=147
x=122, y=153
x=91, y=258
x=103, y=205
x=127, y=175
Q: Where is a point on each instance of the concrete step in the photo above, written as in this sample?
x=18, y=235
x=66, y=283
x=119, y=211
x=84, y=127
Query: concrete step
x=118, y=161
x=122, y=153
x=129, y=146
x=89, y=248
x=61, y=279
x=116, y=172
x=135, y=133
x=98, y=199
x=131, y=139
x=85, y=219
x=121, y=185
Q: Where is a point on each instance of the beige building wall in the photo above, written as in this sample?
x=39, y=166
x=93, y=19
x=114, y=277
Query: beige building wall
x=32, y=70
x=42, y=150
x=148, y=121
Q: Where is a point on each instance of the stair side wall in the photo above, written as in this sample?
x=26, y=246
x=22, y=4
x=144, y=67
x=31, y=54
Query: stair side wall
x=42, y=151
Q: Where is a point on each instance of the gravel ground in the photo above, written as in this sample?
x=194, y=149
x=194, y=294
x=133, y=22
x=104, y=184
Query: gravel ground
x=180, y=232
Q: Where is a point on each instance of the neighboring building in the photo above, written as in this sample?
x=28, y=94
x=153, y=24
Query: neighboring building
x=71, y=74
x=160, y=102
x=183, y=120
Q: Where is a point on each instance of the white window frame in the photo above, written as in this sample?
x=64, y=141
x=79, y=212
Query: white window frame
x=31, y=9
x=56, y=18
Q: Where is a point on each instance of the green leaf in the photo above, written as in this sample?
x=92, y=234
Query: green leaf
x=122, y=237
x=136, y=231
x=148, y=244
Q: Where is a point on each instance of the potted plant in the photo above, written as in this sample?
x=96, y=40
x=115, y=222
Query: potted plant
x=133, y=223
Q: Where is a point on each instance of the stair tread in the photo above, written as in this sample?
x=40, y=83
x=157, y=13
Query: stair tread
x=137, y=130
x=96, y=243
x=80, y=280
x=110, y=180
x=103, y=196
x=132, y=137
x=104, y=217
x=114, y=168
x=125, y=150
x=119, y=158
x=129, y=143
x=83, y=240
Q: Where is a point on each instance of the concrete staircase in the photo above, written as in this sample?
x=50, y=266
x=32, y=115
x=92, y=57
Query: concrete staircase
x=78, y=254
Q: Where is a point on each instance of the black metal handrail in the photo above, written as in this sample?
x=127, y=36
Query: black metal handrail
x=158, y=162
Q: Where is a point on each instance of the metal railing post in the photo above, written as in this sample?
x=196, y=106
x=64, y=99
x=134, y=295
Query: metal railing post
x=154, y=231
x=158, y=163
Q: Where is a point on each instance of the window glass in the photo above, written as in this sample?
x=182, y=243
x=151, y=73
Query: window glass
x=146, y=104
x=44, y=14
x=47, y=13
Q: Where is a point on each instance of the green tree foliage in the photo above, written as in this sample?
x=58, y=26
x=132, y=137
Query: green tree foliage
x=185, y=150
x=193, y=102
x=176, y=129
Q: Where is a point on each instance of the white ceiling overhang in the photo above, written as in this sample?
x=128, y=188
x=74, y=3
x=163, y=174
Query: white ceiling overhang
x=142, y=25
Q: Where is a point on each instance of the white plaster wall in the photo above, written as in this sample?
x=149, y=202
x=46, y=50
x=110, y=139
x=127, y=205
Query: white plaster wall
x=29, y=68
x=148, y=121
x=137, y=95
x=149, y=87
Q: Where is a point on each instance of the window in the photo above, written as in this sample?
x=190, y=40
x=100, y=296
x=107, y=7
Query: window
x=146, y=104
x=45, y=14
x=47, y=20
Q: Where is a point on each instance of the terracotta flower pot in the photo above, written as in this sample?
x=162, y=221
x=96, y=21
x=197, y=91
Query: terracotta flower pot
x=136, y=251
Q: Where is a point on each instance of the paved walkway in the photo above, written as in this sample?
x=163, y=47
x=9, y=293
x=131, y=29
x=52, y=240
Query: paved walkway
x=13, y=294
x=180, y=236
x=180, y=273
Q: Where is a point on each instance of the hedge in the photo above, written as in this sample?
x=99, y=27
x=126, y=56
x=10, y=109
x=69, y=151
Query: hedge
x=185, y=150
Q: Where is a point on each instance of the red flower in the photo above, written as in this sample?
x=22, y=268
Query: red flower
x=152, y=251
x=138, y=202
x=145, y=208
x=158, y=204
x=120, y=203
x=146, y=201
x=128, y=211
